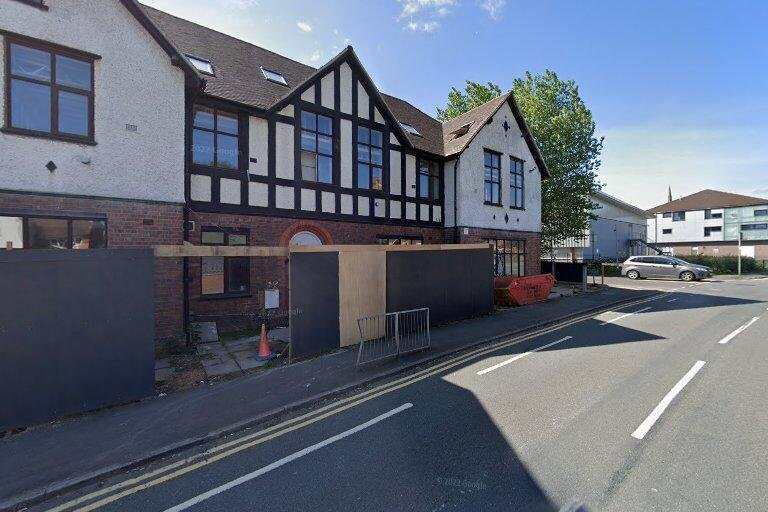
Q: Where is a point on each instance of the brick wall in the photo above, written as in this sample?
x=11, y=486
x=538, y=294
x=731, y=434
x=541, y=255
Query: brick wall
x=532, y=243
x=233, y=313
x=129, y=224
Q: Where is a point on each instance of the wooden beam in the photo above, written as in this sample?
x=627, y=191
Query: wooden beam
x=191, y=251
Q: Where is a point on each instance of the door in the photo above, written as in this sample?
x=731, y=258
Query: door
x=665, y=267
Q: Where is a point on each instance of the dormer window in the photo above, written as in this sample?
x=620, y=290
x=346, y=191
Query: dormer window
x=461, y=131
x=410, y=129
x=202, y=65
x=274, y=76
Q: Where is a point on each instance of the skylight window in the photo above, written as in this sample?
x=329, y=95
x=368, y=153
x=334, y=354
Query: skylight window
x=274, y=76
x=202, y=65
x=410, y=129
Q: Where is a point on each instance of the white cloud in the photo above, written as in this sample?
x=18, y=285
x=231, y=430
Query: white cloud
x=425, y=26
x=412, y=7
x=315, y=57
x=494, y=8
x=421, y=15
x=304, y=26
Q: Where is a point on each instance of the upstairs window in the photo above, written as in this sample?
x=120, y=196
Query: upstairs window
x=429, y=180
x=50, y=92
x=754, y=227
x=316, y=148
x=708, y=230
x=761, y=213
x=666, y=231
x=709, y=215
x=666, y=215
x=678, y=216
x=202, y=65
x=516, y=183
x=215, y=139
x=274, y=76
x=492, y=178
x=370, y=159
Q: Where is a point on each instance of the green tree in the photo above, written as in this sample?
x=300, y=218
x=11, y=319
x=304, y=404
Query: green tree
x=475, y=94
x=564, y=131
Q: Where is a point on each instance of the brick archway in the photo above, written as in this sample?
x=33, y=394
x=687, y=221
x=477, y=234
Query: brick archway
x=297, y=227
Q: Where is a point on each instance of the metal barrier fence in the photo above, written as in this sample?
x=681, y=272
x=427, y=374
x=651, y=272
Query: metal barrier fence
x=392, y=334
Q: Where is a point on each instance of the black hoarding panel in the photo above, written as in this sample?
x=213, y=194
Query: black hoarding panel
x=453, y=284
x=314, y=303
x=76, y=331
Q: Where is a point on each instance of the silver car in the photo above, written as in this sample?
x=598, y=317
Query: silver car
x=637, y=267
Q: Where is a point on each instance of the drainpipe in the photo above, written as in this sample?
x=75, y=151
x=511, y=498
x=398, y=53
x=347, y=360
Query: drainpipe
x=455, y=202
x=185, y=279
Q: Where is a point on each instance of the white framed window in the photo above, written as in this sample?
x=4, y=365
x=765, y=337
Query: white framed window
x=200, y=64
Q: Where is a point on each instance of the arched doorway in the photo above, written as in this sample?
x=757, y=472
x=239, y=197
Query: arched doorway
x=306, y=238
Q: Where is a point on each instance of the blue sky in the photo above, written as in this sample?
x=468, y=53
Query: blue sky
x=679, y=89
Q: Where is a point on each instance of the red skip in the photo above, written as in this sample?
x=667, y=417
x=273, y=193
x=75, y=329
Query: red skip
x=518, y=291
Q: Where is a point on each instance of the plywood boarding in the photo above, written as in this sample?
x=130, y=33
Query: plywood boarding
x=362, y=290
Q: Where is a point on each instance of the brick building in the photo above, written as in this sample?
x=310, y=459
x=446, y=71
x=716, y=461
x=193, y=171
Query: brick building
x=220, y=142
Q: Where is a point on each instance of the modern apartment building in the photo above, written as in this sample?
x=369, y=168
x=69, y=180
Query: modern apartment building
x=125, y=126
x=710, y=222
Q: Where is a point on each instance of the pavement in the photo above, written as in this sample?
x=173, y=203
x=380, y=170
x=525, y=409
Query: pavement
x=659, y=405
x=67, y=454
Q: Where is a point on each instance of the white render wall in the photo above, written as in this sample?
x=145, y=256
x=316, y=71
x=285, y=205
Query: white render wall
x=689, y=230
x=471, y=210
x=135, y=84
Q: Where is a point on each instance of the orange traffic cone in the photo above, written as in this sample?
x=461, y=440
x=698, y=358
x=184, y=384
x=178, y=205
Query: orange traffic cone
x=264, y=352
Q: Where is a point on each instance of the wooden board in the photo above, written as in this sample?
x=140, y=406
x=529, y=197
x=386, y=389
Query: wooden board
x=362, y=290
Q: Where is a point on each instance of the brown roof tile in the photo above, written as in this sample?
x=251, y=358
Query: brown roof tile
x=707, y=200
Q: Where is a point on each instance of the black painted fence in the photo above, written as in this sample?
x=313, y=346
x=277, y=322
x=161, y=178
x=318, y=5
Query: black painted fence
x=564, y=271
x=76, y=332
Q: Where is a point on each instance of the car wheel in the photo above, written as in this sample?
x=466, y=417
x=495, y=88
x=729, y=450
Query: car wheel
x=633, y=274
x=687, y=276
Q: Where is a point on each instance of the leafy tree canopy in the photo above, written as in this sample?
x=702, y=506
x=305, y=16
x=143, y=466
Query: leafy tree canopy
x=475, y=95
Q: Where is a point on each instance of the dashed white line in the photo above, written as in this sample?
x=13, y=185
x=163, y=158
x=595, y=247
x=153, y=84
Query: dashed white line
x=738, y=331
x=625, y=316
x=520, y=356
x=652, y=418
x=671, y=300
x=285, y=460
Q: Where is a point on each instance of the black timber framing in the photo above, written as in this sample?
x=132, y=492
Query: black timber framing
x=271, y=179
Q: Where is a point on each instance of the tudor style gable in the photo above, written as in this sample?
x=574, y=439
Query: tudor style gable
x=330, y=148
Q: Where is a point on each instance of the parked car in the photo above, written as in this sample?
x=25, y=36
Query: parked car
x=637, y=267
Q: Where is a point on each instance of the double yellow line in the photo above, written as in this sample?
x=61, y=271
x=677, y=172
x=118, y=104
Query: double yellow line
x=97, y=499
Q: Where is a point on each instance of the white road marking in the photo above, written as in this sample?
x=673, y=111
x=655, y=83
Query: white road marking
x=671, y=300
x=652, y=418
x=285, y=460
x=625, y=316
x=520, y=356
x=738, y=331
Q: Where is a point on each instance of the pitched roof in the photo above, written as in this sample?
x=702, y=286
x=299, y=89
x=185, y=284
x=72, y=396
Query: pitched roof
x=237, y=77
x=706, y=200
x=620, y=204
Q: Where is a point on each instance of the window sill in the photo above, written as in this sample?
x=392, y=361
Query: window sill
x=521, y=209
x=36, y=5
x=225, y=296
x=488, y=203
x=48, y=136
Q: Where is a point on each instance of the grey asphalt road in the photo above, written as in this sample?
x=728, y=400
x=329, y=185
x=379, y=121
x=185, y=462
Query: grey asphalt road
x=657, y=406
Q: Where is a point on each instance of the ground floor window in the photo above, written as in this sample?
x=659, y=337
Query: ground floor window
x=225, y=276
x=399, y=240
x=508, y=256
x=41, y=232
